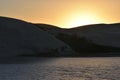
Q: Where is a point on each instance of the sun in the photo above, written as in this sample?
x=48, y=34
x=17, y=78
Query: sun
x=76, y=20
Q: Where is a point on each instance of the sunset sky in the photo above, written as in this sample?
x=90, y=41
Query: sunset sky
x=62, y=13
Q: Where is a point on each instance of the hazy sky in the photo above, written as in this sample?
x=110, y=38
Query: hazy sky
x=63, y=13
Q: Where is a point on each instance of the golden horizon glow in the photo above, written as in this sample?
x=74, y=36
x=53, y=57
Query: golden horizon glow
x=62, y=13
x=85, y=18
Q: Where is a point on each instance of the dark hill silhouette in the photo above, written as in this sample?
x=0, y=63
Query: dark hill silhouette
x=54, y=30
x=98, y=27
x=18, y=37
x=103, y=34
x=47, y=26
x=83, y=39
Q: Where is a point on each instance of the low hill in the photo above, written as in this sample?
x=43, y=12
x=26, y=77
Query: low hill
x=18, y=37
x=103, y=34
x=90, y=40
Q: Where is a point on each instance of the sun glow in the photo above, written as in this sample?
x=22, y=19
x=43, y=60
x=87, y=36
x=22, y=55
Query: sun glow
x=76, y=20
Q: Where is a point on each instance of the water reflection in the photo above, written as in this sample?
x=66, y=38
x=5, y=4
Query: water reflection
x=63, y=69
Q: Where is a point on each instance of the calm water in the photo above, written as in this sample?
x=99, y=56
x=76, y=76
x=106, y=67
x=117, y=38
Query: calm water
x=60, y=69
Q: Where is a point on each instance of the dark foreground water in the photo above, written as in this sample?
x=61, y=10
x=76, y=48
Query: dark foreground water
x=60, y=69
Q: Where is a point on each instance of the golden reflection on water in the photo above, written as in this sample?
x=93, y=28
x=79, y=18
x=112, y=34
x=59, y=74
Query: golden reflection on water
x=84, y=61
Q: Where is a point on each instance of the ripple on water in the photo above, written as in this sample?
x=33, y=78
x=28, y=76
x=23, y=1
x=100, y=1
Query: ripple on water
x=63, y=69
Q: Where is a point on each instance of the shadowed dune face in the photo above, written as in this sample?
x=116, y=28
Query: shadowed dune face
x=18, y=37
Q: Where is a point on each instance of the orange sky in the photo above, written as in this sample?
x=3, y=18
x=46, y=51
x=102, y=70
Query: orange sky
x=62, y=13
